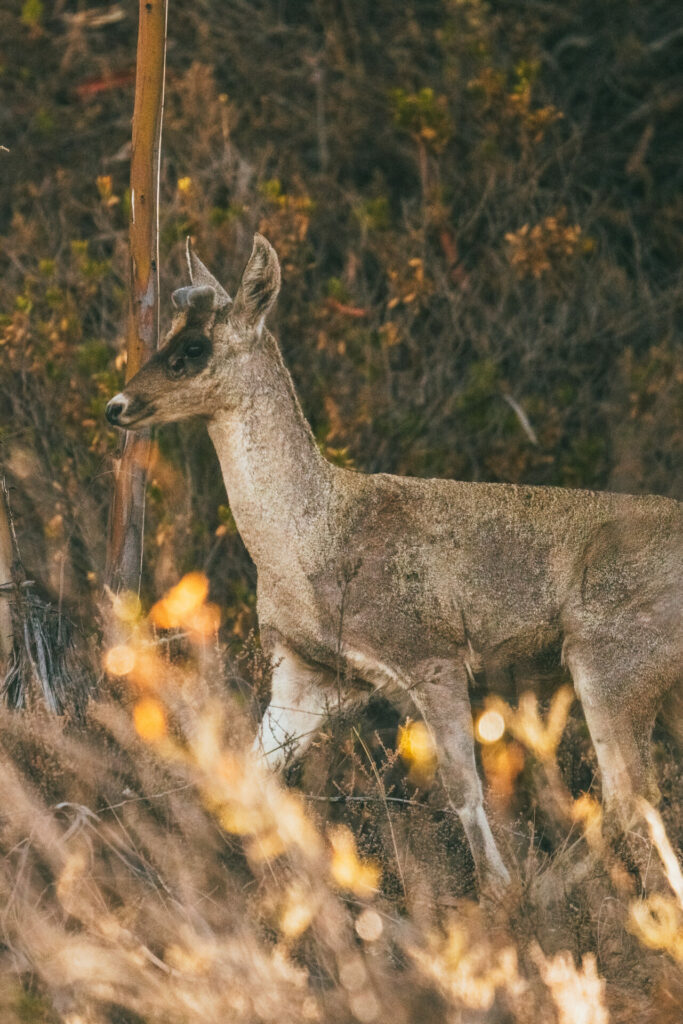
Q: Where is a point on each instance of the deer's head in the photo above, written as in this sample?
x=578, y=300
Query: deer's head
x=204, y=363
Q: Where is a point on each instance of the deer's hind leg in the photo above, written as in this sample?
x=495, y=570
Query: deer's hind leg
x=624, y=648
x=621, y=738
x=620, y=720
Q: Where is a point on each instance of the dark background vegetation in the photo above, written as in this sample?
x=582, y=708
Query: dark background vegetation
x=479, y=213
x=478, y=207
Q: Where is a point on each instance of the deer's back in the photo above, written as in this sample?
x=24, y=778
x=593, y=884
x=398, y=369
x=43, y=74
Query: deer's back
x=497, y=562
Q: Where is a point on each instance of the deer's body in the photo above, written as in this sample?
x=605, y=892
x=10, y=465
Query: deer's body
x=412, y=585
x=427, y=567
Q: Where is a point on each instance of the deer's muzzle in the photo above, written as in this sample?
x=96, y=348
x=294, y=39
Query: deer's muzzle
x=122, y=411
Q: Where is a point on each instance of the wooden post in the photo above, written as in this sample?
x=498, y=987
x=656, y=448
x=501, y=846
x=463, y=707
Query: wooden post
x=124, y=549
x=6, y=558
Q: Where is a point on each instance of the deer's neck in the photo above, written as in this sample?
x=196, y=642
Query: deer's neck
x=277, y=481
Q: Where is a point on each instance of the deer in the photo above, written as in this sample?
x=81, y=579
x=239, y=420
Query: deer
x=439, y=579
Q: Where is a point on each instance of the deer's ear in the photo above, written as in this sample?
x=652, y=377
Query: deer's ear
x=202, y=276
x=260, y=284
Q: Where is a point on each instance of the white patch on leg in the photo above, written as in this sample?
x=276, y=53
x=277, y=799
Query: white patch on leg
x=298, y=707
x=492, y=855
x=482, y=843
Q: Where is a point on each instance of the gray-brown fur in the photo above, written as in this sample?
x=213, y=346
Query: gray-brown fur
x=437, y=579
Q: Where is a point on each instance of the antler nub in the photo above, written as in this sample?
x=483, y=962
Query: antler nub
x=201, y=276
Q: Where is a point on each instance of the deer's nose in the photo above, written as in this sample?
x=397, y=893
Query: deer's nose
x=116, y=408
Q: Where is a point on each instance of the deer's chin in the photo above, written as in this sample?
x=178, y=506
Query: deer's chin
x=138, y=419
x=152, y=417
x=137, y=424
x=149, y=415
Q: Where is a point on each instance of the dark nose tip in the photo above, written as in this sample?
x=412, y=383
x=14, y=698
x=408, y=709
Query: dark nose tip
x=114, y=410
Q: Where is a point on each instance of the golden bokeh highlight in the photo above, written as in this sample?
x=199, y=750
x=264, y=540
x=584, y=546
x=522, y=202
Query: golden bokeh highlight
x=586, y=811
x=502, y=764
x=466, y=970
x=364, y=1006
x=205, y=622
x=182, y=602
x=369, y=925
x=490, y=726
x=149, y=719
x=297, y=911
x=197, y=961
x=417, y=748
x=658, y=923
x=120, y=660
x=348, y=871
x=578, y=992
x=104, y=186
x=267, y=846
x=127, y=606
x=239, y=819
x=525, y=722
x=150, y=669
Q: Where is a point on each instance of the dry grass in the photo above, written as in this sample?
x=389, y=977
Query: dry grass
x=151, y=871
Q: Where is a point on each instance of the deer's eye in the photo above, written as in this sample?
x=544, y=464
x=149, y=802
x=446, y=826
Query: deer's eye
x=176, y=366
x=188, y=356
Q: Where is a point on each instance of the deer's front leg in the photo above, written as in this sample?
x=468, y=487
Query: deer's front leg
x=442, y=699
x=298, y=706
